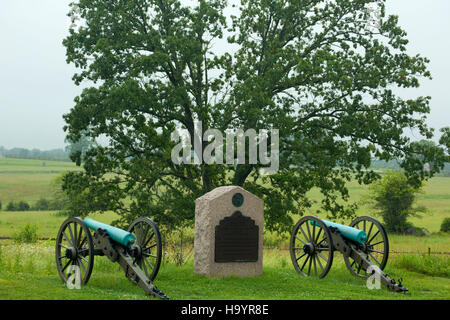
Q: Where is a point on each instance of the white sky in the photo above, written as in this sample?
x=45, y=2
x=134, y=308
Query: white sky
x=36, y=87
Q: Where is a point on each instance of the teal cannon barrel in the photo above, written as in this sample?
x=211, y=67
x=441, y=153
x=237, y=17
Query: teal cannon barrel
x=346, y=231
x=118, y=235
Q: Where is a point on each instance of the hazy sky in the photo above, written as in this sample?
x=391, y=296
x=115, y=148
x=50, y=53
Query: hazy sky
x=36, y=88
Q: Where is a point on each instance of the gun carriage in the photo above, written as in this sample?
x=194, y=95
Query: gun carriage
x=138, y=251
x=364, y=245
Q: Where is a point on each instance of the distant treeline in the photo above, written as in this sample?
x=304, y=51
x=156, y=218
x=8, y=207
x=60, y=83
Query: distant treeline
x=22, y=153
x=63, y=155
x=394, y=164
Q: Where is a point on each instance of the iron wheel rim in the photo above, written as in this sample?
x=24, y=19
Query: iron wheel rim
x=75, y=238
x=311, y=247
x=148, y=239
x=376, y=245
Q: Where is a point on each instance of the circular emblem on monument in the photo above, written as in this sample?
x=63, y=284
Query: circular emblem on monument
x=238, y=199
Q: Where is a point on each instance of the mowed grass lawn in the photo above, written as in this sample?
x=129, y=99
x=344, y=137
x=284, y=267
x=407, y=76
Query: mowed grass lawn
x=27, y=271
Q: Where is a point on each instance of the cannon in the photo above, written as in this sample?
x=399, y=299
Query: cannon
x=364, y=245
x=137, y=250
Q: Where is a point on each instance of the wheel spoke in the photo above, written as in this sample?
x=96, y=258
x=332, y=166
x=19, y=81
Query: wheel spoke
x=142, y=234
x=149, y=247
x=67, y=264
x=373, y=237
x=304, y=263
x=75, y=235
x=318, y=235
x=83, y=241
x=315, y=265
x=71, y=235
x=148, y=240
x=137, y=231
x=151, y=266
x=79, y=238
x=300, y=239
x=147, y=237
x=64, y=246
x=309, y=267
x=324, y=239
x=320, y=255
x=371, y=255
x=144, y=267
x=370, y=231
x=303, y=232
x=83, y=249
x=313, y=239
x=82, y=265
x=304, y=254
x=320, y=264
x=145, y=230
x=309, y=231
x=374, y=244
x=67, y=239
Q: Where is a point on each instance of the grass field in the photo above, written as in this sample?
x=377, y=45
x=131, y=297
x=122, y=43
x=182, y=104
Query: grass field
x=29, y=180
x=27, y=271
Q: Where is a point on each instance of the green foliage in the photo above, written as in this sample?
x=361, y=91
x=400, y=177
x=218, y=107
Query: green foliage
x=314, y=70
x=53, y=204
x=80, y=146
x=0, y=205
x=393, y=197
x=59, y=200
x=27, y=234
x=41, y=205
x=432, y=265
x=10, y=206
x=23, y=206
x=445, y=226
x=18, y=206
x=21, y=153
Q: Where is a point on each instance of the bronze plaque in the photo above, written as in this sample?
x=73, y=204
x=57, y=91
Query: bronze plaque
x=237, y=238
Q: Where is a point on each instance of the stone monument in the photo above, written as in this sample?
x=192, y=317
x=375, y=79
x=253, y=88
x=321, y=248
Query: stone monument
x=229, y=225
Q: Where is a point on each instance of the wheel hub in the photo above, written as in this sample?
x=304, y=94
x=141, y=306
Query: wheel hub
x=366, y=247
x=71, y=253
x=309, y=248
x=136, y=251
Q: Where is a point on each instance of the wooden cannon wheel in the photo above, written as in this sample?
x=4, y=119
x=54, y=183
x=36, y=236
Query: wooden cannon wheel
x=311, y=247
x=376, y=245
x=148, y=245
x=74, y=252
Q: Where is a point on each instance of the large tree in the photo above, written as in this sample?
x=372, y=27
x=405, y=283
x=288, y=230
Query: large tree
x=319, y=71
